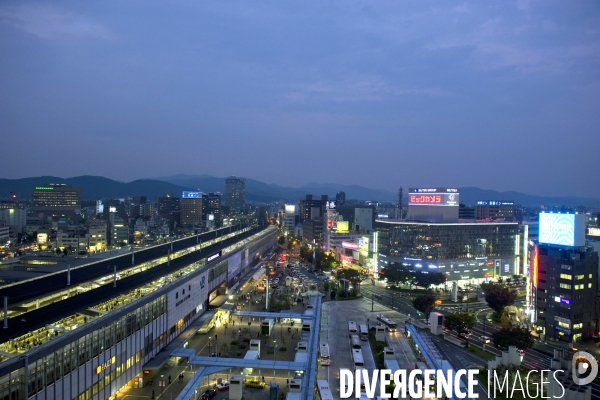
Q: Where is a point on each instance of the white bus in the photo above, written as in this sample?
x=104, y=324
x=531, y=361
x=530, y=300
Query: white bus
x=358, y=358
x=391, y=325
x=352, y=326
x=323, y=391
x=354, y=342
x=364, y=332
x=324, y=356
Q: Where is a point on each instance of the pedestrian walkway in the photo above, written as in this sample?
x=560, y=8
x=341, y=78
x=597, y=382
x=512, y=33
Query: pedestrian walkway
x=228, y=339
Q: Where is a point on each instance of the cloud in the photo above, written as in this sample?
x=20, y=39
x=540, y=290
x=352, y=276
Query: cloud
x=46, y=21
x=360, y=89
x=500, y=43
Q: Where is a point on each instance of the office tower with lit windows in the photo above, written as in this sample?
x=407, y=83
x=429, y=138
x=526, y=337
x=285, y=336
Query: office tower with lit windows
x=190, y=206
x=563, y=280
x=235, y=193
x=56, y=199
x=211, y=209
x=495, y=209
x=312, y=208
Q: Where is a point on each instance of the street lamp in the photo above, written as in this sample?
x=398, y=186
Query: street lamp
x=274, y=348
x=209, y=352
x=162, y=383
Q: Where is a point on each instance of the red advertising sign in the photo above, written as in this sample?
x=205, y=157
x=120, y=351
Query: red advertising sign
x=419, y=198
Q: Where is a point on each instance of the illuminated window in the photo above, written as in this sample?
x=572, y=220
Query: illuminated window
x=579, y=287
x=578, y=326
x=566, y=276
x=589, y=285
x=565, y=286
x=579, y=277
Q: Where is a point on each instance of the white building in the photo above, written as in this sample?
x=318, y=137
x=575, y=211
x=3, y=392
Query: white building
x=289, y=219
x=96, y=235
x=14, y=218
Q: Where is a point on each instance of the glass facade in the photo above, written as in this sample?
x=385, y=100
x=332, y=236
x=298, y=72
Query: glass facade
x=56, y=198
x=94, y=354
x=466, y=250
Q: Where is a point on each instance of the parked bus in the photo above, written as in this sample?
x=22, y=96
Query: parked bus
x=324, y=357
x=357, y=357
x=352, y=326
x=364, y=332
x=354, y=342
x=323, y=391
x=385, y=321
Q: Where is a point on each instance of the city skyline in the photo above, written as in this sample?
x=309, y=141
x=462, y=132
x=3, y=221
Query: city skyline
x=496, y=96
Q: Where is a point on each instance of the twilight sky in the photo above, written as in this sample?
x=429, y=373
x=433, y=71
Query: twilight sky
x=497, y=94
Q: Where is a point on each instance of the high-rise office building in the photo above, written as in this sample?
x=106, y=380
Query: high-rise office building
x=167, y=205
x=56, y=199
x=212, y=209
x=495, y=209
x=235, y=193
x=563, y=280
x=190, y=207
x=312, y=208
x=340, y=198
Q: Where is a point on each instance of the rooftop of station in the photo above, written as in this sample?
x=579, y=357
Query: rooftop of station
x=87, y=313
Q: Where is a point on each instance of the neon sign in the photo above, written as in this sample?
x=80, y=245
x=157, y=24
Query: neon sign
x=535, y=266
x=426, y=199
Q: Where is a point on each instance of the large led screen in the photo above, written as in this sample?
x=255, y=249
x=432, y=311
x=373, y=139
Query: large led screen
x=562, y=229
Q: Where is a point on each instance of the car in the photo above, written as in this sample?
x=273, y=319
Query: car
x=521, y=352
x=486, y=339
x=254, y=383
x=223, y=386
x=464, y=335
x=209, y=394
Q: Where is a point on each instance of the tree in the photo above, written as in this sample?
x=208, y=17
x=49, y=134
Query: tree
x=498, y=296
x=427, y=280
x=396, y=274
x=352, y=275
x=459, y=322
x=306, y=253
x=281, y=239
x=325, y=261
x=519, y=337
x=424, y=303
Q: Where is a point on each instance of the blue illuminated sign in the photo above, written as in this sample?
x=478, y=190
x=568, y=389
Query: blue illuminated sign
x=191, y=195
x=562, y=229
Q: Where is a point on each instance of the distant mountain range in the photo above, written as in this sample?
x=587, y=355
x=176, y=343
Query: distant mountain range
x=96, y=187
